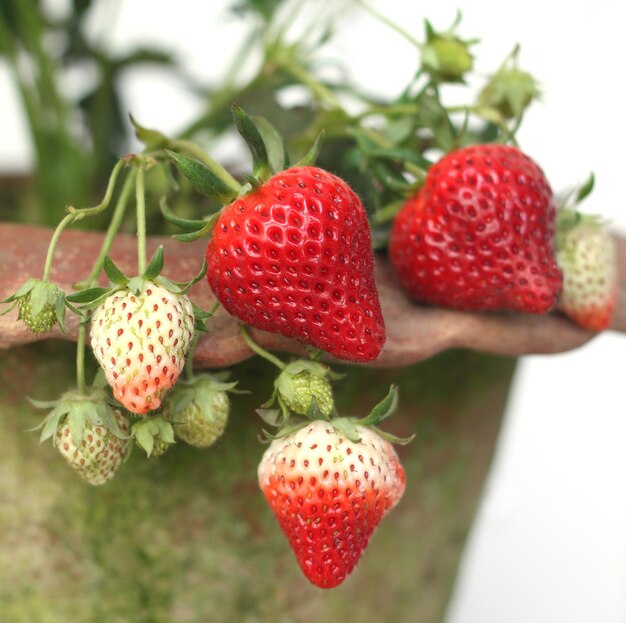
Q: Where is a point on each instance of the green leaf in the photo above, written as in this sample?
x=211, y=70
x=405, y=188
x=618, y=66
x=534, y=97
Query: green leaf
x=202, y=178
x=114, y=273
x=311, y=156
x=276, y=151
x=183, y=223
x=250, y=133
x=156, y=265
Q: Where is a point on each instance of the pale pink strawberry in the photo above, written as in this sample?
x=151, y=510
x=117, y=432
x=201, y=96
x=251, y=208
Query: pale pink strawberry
x=329, y=493
x=585, y=252
x=141, y=340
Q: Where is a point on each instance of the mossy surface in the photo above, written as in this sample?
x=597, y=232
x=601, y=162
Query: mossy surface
x=189, y=538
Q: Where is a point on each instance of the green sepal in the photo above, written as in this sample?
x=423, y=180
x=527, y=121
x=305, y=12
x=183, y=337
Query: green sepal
x=181, y=287
x=586, y=188
x=205, y=230
x=137, y=285
x=202, y=178
x=384, y=409
x=156, y=265
x=250, y=133
x=347, y=427
x=146, y=431
x=191, y=225
x=90, y=296
x=114, y=274
x=277, y=155
x=272, y=417
x=24, y=289
x=41, y=404
x=400, y=441
x=311, y=156
x=152, y=139
x=10, y=308
x=60, y=309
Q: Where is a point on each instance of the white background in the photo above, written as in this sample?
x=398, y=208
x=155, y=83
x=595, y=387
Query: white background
x=549, y=544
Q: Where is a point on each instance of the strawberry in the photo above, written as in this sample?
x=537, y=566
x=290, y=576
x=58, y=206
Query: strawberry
x=100, y=452
x=90, y=435
x=41, y=305
x=294, y=257
x=586, y=254
x=329, y=494
x=300, y=383
x=140, y=338
x=479, y=234
x=198, y=409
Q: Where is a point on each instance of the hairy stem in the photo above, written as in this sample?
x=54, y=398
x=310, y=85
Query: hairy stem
x=114, y=225
x=140, y=194
x=252, y=345
x=80, y=355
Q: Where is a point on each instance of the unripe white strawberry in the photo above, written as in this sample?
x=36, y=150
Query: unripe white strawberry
x=99, y=453
x=141, y=341
x=585, y=253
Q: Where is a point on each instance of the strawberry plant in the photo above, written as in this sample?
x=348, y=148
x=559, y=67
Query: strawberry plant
x=467, y=220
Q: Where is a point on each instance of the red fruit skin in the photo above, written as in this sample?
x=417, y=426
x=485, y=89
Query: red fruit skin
x=329, y=495
x=479, y=234
x=295, y=258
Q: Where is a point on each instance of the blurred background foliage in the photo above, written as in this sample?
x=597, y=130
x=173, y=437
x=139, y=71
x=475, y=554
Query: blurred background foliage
x=379, y=145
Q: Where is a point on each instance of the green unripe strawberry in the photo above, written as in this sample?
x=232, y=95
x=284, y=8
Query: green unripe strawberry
x=447, y=59
x=41, y=305
x=445, y=56
x=198, y=409
x=509, y=91
x=302, y=382
x=154, y=435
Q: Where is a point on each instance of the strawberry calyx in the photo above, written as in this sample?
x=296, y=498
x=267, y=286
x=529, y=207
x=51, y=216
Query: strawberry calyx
x=509, y=91
x=302, y=387
x=153, y=434
x=78, y=409
x=209, y=178
x=445, y=56
x=345, y=425
x=41, y=304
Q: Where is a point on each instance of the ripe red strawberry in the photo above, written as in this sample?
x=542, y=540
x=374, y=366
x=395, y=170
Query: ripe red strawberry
x=140, y=340
x=294, y=257
x=586, y=255
x=329, y=494
x=479, y=234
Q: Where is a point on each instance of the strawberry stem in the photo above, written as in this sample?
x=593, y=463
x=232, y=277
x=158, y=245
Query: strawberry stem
x=141, y=221
x=78, y=214
x=252, y=345
x=114, y=225
x=385, y=20
x=80, y=355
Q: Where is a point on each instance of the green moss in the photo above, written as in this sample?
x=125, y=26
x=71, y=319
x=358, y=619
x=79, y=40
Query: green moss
x=189, y=537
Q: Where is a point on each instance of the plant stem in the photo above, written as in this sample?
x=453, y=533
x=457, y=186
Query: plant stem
x=53, y=243
x=385, y=20
x=140, y=194
x=114, y=225
x=213, y=165
x=80, y=355
x=252, y=345
x=75, y=215
x=321, y=92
